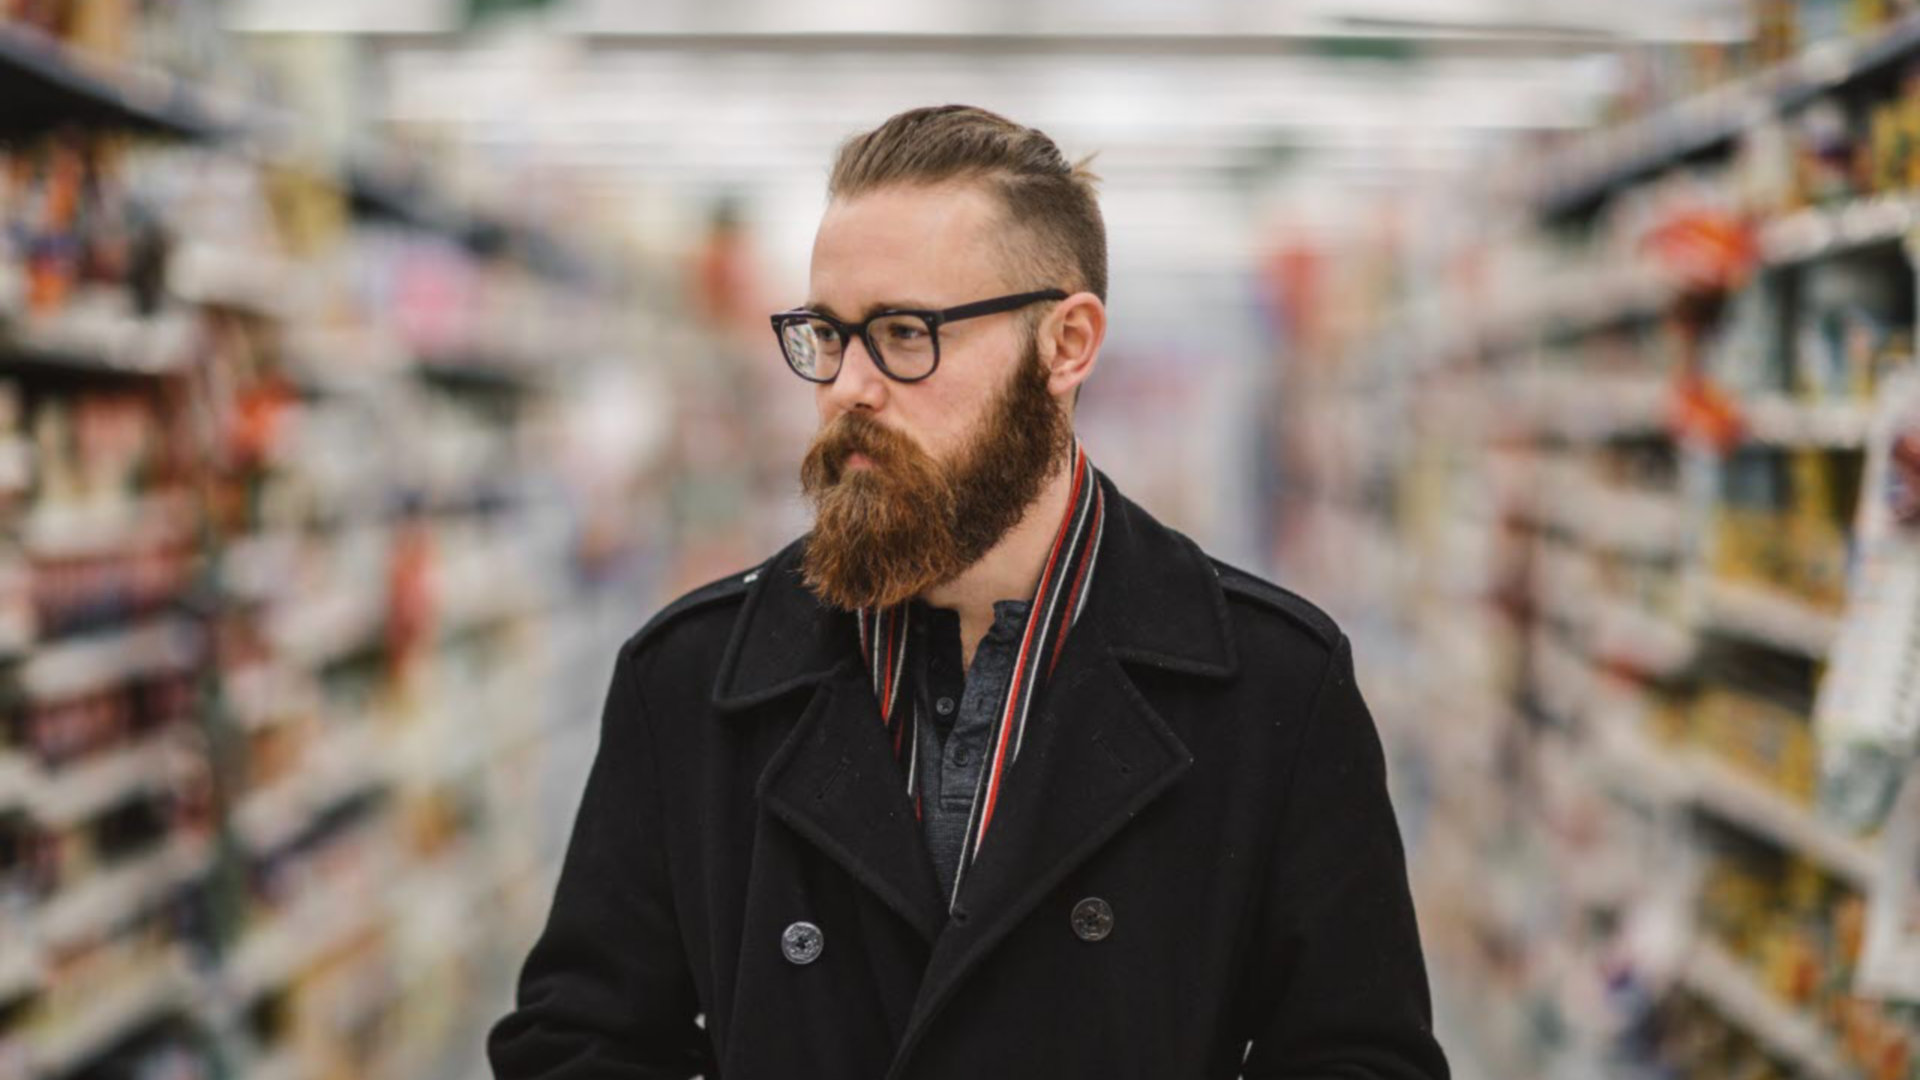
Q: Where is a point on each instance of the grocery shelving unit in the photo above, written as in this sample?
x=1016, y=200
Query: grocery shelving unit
x=1591, y=501
x=297, y=700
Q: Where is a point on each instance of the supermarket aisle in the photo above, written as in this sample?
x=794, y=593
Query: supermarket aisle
x=368, y=372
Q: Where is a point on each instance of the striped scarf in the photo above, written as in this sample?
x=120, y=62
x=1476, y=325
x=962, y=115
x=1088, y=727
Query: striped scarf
x=1057, y=600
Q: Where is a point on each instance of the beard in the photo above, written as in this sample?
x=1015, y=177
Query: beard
x=909, y=521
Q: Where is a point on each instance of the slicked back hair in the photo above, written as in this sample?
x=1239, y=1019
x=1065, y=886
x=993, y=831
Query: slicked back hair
x=1058, y=237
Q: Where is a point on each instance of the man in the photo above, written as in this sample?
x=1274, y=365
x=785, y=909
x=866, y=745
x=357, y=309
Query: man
x=990, y=774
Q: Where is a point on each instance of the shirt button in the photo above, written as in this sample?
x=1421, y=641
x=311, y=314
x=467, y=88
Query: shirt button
x=801, y=942
x=1092, y=919
x=944, y=706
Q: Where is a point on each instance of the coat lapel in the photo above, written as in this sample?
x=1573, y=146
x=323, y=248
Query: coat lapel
x=835, y=782
x=834, y=779
x=1099, y=753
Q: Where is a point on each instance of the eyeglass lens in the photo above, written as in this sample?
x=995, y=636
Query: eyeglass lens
x=815, y=346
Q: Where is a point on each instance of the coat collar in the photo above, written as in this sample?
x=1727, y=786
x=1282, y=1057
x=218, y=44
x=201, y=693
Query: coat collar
x=1156, y=600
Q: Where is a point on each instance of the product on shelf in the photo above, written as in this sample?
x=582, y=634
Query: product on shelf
x=284, y=537
x=1641, y=436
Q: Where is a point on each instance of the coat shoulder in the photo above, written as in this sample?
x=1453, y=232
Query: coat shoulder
x=1245, y=587
x=722, y=591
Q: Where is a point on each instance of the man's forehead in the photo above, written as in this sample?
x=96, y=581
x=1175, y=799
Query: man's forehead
x=921, y=241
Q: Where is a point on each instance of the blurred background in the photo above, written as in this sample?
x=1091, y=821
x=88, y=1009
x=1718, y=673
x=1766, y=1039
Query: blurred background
x=369, y=370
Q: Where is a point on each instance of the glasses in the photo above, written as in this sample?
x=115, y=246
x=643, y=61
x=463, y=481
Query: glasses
x=904, y=344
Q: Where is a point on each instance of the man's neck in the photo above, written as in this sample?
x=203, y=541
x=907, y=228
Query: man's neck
x=1010, y=570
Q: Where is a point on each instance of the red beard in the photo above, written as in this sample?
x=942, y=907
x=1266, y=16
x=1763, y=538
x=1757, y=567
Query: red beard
x=906, y=522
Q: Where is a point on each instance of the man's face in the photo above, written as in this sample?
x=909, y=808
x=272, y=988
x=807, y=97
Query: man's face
x=917, y=247
x=914, y=482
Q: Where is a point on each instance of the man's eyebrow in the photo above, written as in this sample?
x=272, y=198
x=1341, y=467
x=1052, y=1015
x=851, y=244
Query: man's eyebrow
x=901, y=304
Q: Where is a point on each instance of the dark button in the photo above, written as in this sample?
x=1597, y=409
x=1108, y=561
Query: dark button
x=1092, y=919
x=960, y=755
x=944, y=706
x=802, y=942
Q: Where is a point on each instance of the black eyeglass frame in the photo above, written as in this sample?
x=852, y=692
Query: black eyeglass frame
x=934, y=319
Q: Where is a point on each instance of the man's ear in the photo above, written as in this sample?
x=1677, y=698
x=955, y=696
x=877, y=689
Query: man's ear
x=1073, y=332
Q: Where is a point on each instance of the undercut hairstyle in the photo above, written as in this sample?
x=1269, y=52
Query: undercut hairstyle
x=1059, y=238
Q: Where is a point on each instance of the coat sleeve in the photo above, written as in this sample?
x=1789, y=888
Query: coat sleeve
x=605, y=990
x=1343, y=987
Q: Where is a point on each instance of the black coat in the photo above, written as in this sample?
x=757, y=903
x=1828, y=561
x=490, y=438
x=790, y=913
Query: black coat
x=1202, y=761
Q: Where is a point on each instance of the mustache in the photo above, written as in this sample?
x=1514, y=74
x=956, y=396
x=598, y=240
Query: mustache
x=854, y=433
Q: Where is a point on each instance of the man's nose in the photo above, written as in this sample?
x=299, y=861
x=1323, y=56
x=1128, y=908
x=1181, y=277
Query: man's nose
x=860, y=383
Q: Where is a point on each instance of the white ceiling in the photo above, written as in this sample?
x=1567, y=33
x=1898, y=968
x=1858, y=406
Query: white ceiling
x=1202, y=111
x=1680, y=19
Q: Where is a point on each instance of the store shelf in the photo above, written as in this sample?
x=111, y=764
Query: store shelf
x=378, y=195
x=1627, y=633
x=202, y=273
x=1731, y=795
x=20, y=967
x=1623, y=760
x=1658, y=569
x=481, y=373
x=108, y=897
x=1798, y=1039
x=1778, y=420
x=413, y=329
x=80, y=790
x=92, y=345
x=315, y=631
x=345, y=764
x=1691, y=776
x=83, y=663
x=164, y=988
x=1708, y=124
x=47, y=84
x=1592, y=408
x=316, y=926
x=1842, y=63
x=383, y=195
x=1769, y=617
x=108, y=527
x=262, y=693
x=19, y=780
x=1646, y=523
x=1583, y=178
x=1823, y=232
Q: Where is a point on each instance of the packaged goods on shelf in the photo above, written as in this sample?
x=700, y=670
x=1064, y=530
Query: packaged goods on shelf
x=1868, y=712
x=1688, y=344
x=286, y=549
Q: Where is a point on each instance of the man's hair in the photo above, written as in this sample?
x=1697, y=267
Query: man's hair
x=1061, y=239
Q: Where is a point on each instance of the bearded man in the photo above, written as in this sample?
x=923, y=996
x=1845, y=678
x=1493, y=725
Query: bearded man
x=990, y=773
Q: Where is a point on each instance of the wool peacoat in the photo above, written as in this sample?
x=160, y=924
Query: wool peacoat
x=1193, y=869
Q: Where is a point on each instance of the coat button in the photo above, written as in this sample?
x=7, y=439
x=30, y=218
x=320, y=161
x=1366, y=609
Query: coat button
x=802, y=942
x=1092, y=919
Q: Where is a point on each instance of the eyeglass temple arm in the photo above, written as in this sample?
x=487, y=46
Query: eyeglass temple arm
x=999, y=304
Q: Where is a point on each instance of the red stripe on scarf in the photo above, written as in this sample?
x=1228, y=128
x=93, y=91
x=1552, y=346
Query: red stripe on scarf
x=1019, y=671
x=1079, y=577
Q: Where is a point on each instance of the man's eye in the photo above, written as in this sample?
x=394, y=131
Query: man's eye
x=906, y=332
x=827, y=334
